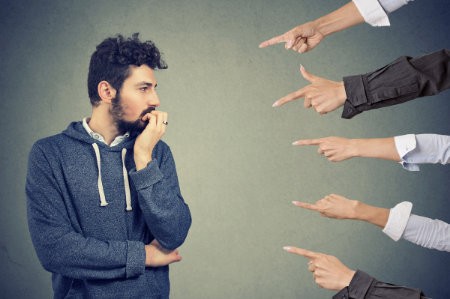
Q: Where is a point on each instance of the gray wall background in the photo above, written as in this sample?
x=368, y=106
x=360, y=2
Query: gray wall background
x=237, y=168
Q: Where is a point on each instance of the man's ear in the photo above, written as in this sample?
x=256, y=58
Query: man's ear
x=106, y=92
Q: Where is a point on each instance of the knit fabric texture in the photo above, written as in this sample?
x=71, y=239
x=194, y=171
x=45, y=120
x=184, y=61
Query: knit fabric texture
x=96, y=251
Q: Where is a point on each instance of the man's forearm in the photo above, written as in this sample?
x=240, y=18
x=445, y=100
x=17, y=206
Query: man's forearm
x=343, y=18
x=165, y=212
x=383, y=148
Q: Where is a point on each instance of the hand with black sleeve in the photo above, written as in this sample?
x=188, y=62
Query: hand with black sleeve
x=330, y=273
x=401, y=81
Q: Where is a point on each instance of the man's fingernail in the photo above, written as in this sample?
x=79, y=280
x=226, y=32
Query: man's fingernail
x=287, y=248
x=295, y=202
x=290, y=44
x=276, y=104
x=295, y=143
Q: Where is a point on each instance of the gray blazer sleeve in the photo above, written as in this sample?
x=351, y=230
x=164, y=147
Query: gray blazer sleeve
x=364, y=286
x=402, y=80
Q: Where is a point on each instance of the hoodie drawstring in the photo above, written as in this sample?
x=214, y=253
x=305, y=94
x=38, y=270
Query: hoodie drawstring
x=100, y=184
x=125, y=178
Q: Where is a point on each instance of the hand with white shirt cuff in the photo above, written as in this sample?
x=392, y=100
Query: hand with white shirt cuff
x=306, y=37
x=410, y=150
x=397, y=222
x=338, y=207
x=338, y=149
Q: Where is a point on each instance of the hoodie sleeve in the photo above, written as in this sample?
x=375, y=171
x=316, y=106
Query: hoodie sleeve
x=59, y=247
x=160, y=200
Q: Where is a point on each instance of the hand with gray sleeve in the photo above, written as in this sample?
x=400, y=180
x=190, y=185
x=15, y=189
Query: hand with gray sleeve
x=105, y=211
x=306, y=37
x=397, y=222
x=409, y=150
x=400, y=81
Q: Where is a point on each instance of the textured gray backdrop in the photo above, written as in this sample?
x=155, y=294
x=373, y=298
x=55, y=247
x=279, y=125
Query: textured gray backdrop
x=238, y=170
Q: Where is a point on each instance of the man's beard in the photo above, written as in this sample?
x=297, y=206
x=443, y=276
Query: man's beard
x=117, y=112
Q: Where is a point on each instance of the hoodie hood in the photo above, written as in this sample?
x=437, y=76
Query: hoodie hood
x=76, y=131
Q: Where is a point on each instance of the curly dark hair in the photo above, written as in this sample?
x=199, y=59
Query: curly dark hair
x=112, y=59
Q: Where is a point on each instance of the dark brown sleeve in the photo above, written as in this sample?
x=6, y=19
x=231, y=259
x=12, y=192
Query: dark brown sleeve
x=364, y=286
x=402, y=80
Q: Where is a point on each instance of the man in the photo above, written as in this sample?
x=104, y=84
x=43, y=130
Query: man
x=105, y=211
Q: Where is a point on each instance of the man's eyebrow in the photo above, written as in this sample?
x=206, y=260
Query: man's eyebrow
x=149, y=84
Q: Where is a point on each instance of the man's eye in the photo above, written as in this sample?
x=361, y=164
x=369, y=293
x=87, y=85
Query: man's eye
x=143, y=88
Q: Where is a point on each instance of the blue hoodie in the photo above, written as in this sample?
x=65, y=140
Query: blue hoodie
x=90, y=213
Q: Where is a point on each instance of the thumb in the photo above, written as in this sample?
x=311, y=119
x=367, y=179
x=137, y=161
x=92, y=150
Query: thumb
x=311, y=78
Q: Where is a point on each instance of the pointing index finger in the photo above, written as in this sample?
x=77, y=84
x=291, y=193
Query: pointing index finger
x=306, y=205
x=290, y=97
x=303, y=252
x=273, y=41
x=309, y=142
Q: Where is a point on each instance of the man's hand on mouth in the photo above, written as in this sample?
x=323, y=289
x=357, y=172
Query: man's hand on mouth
x=154, y=130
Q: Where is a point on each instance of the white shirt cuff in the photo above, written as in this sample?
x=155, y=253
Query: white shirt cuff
x=392, y=5
x=404, y=144
x=372, y=12
x=398, y=218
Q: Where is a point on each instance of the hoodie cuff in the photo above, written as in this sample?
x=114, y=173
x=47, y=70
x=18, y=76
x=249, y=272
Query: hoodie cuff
x=147, y=176
x=135, y=259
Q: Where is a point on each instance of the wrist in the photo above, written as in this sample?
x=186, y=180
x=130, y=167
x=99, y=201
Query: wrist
x=347, y=278
x=345, y=17
x=141, y=160
x=147, y=256
x=361, y=211
x=342, y=94
x=355, y=148
x=321, y=26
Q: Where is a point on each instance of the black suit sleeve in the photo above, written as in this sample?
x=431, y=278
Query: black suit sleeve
x=403, y=80
x=364, y=286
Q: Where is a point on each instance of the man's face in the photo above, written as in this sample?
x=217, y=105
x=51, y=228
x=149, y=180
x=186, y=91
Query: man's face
x=136, y=98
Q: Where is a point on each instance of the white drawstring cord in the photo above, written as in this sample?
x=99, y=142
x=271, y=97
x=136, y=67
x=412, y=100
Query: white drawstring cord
x=125, y=179
x=100, y=184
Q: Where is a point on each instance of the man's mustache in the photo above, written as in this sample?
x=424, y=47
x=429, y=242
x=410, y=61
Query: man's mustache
x=148, y=110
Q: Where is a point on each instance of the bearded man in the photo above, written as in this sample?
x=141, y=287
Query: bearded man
x=105, y=211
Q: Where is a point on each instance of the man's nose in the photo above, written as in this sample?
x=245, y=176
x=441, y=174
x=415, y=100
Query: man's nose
x=154, y=100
